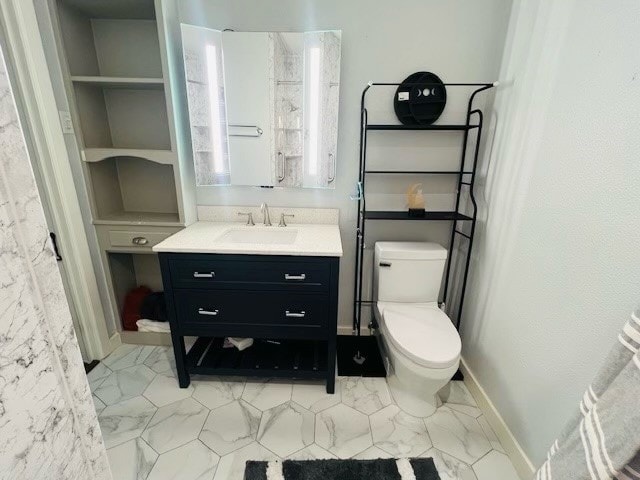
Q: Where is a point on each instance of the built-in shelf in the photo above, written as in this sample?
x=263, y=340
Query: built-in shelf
x=111, y=9
x=138, y=218
x=420, y=127
x=132, y=116
x=165, y=157
x=133, y=191
x=118, y=75
x=127, y=271
x=404, y=215
x=119, y=82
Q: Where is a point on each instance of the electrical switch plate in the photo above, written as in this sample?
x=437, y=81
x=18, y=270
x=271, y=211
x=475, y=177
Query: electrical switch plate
x=65, y=121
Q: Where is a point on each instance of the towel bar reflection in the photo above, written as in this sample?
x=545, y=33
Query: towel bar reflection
x=332, y=162
x=245, y=131
x=281, y=164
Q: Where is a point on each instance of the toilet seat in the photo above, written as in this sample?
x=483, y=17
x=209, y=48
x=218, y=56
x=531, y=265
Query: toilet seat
x=423, y=333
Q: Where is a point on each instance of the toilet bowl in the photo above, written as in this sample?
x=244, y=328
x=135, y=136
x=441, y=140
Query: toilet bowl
x=422, y=350
x=418, y=341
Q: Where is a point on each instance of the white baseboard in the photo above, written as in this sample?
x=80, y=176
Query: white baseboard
x=114, y=342
x=520, y=460
x=347, y=330
x=344, y=330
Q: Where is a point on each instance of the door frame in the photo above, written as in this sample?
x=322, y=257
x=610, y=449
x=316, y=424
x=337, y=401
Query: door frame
x=25, y=54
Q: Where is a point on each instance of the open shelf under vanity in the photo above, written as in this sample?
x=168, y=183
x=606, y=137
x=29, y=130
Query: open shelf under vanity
x=265, y=358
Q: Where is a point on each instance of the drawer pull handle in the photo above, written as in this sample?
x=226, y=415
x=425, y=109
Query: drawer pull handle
x=202, y=311
x=204, y=275
x=288, y=276
x=300, y=314
x=139, y=241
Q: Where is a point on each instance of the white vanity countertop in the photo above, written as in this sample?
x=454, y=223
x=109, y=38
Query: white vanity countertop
x=203, y=237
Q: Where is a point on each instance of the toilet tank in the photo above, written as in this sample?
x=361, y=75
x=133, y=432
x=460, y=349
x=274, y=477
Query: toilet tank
x=408, y=272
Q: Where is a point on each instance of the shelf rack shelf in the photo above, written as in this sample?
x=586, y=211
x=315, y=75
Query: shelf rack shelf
x=416, y=172
x=465, y=180
x=395, y=127
x=404, y=215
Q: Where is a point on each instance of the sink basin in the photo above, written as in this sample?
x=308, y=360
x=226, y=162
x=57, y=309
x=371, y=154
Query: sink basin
x=272, y=236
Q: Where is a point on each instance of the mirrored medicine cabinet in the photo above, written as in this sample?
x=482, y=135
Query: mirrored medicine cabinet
x=263, y=106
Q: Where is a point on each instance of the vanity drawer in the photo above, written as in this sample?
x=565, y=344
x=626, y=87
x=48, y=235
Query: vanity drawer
x=240, y=310
x=249, y=274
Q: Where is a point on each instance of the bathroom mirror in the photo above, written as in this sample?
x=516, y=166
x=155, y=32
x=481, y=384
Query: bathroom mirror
x=263, y=106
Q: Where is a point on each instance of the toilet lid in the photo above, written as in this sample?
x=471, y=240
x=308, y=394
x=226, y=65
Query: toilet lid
x=425, y=334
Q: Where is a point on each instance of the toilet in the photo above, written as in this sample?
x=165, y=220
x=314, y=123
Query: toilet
x=419, y=344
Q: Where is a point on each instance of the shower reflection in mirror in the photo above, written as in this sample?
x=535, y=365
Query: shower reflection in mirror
x=263, y=106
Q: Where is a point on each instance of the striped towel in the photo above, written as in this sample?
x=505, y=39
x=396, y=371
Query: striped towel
x=602, y=441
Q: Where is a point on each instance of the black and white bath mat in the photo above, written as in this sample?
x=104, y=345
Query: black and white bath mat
x=381, y=469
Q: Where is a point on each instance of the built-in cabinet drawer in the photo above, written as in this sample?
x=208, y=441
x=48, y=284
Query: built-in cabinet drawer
x=249, y=274
x=124, y=238
x=241, y=309
x=130, y=239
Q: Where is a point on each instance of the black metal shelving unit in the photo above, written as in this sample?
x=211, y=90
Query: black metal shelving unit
x=465, y=179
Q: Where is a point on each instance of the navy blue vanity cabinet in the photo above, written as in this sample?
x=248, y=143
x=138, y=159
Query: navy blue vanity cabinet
x=287, y=304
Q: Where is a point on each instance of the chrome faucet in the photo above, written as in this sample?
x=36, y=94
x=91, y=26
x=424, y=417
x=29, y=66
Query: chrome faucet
x=283, y=223
x=264, y=208
x=249, y=215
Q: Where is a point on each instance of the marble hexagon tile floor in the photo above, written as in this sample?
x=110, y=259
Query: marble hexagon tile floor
x=154, y=430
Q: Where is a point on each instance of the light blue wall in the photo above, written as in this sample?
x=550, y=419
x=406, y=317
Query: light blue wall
x=382, y=41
